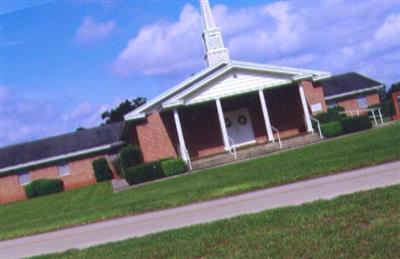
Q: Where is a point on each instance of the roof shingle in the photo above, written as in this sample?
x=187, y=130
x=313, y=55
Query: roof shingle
x=59, y=145
x=346, y=83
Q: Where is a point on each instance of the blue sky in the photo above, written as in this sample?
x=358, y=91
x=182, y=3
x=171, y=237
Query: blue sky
x=64, y=63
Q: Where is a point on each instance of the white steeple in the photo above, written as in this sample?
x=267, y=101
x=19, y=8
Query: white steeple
x=213, y=43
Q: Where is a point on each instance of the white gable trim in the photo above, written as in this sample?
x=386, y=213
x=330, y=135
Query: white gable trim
x=177, y=100
x=139, y=113
x=173, y=97
x=296, y=75
x=280, y=69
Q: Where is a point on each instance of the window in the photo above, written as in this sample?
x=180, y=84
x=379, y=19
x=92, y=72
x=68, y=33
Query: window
x=24, y=178
x=332, y=104
x=63, y=169
x=316, y=107
x=362, y=102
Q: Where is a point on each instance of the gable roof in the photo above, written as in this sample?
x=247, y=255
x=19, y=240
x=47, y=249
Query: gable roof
x=172, y=97
x=61, y=146
x=348, y=84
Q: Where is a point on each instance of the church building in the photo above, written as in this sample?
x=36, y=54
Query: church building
x=230, y=105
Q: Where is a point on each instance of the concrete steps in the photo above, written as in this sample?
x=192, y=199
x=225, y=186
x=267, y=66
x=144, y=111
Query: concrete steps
x=253, y=152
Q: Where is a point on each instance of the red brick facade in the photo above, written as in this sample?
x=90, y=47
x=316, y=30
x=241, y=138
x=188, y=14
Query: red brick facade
x=81, y=174
x=155, y=137
x=396, y=106
x=314, y=94
x=351, y=103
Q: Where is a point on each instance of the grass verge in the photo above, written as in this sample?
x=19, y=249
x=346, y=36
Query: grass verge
x=361, y=225
x=98, y=202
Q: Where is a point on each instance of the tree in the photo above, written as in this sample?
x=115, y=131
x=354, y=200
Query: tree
x=117, y=114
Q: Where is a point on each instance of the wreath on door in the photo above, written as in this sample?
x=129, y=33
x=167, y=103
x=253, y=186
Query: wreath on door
x=242, y=119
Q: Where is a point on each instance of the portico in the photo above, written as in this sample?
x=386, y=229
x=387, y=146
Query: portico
x=218, y=125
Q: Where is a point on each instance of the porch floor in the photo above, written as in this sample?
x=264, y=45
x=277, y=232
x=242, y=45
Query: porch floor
x=254, y=151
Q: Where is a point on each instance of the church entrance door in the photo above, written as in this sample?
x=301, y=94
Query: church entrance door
x=239, y=126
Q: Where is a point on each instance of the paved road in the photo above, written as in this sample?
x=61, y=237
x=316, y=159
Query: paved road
x=139, y=225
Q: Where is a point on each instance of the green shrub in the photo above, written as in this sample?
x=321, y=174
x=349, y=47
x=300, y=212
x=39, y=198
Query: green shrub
x=353, y=124
x=144, y=173
x=331, y=129
x=333, y=114
x=102, y=170
x=130, y=156
x=43, y=187
x=173, y=166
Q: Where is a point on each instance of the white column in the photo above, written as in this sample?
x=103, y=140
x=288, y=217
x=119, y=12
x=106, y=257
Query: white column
x=222, y=124
x=305, y=109
x=180, y=135
x=266, y=116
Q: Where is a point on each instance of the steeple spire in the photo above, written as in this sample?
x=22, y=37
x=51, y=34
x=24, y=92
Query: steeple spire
x=213, y=43
x=208, y=19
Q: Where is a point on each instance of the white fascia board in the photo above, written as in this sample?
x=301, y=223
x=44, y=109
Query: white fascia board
x=302, y=77
x=172, y=91
x=281, y=69
x=174, y=101
x=173, y=104
x=136, y=116
x=248, y=90
x=60, y=157
x=321, y=77
x=353, y=92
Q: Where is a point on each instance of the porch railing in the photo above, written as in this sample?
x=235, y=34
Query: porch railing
x=232, y=147
x=318, y=126
x=277, y=134
x=184, y=154
x=357, y=112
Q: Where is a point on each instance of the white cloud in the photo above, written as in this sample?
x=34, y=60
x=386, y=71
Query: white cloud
x=335, y=36
x=389, y=32
x=23, y=118
x=163, y=47
x=91, y=31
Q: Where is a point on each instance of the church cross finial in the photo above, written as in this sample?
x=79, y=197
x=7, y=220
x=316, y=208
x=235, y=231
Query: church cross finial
x=213, y=43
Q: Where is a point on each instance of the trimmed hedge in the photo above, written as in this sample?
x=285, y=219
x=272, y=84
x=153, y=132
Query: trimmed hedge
x=331, y=129
x=42, y=187
x=333, y=114
x=173, y=167
x=354, y=124
x=102, y=170
x=144, y=173
x=130, y=156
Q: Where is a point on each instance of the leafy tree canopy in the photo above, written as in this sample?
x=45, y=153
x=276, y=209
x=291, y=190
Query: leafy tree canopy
x=117, y=114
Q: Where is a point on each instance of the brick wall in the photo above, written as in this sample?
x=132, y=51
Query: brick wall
x=373, y=99
x=81, y=174
x=314, y=94
x=285, y=110
x=154, y=139
x=348, y=104
x=396, y=107
x=352, y=104
x=201, y=130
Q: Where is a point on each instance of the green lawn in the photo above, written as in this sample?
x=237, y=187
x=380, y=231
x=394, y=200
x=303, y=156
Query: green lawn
x=362, y=225
x=98, y=202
